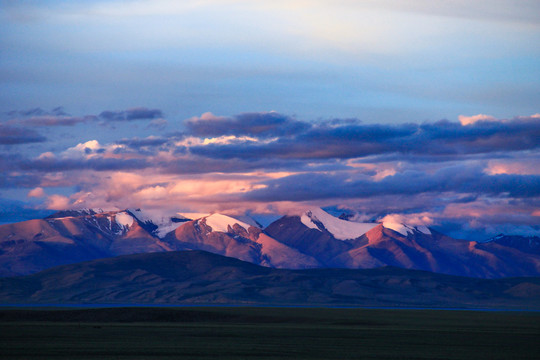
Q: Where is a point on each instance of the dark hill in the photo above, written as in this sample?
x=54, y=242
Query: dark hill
x=198, y=277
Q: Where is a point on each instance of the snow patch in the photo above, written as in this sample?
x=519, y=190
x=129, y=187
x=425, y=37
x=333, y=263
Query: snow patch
x=397, y=227
x=423, y=229
x=162, y=220
x=340, y=229
x=495, y=238
x=306, y=220
x=124, y=219
x=406, y=229
x=221, y=223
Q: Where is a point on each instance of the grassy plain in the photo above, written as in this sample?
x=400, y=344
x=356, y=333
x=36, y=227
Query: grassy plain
x=267, y=333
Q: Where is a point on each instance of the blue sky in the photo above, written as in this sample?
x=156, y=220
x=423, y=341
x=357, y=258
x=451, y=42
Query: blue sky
x=372, y=60
x=450, y=75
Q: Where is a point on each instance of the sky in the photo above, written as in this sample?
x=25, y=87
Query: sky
x=426, y=112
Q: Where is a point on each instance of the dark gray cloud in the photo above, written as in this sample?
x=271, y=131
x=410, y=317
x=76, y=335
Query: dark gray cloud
x=16, y=162
x=343, y=140
x=138, y=142
x=455, y=179
x=180, y=165
x=139, y=113
x=199, y=165
x=53, y=120
x=58, y=117
x=10, y=135
x=58, y=111
x=97, y=164
x=24, y=180
x=264, y=125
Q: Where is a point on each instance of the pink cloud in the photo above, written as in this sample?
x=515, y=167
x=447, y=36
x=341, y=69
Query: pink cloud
x=37, y=192
x=58, y=202
x=468, y=120
x=514, y=166
x=418, y=219
x=207, y=116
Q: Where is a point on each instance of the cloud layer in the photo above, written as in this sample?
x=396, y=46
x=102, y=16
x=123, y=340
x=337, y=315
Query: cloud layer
x=480, y=172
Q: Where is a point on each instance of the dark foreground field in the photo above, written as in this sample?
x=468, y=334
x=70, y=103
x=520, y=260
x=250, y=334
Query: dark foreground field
x=267, y=333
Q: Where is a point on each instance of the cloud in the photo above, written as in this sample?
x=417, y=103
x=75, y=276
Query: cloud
x=58, y=202
x=139, y=113
x=495, y=10
x=524, y=165
x=97, y=164
x=36, y=192
x=151, y=141
x=14, y=135
x=52, y=120
x=83, y=150
x=58, y=111
x=457, y=179
x=409, y=219
x=468, y=120
x=58, y=117
x=158, y=124
x=14, y=180
x=343, y=140
x=440, y=173
x=120, y=189
x=264, y=124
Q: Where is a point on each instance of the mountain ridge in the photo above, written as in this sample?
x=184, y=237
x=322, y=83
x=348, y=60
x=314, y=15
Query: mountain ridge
x=296, y=242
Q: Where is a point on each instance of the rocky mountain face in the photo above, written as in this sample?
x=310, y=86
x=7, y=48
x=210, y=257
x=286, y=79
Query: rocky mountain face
x=69, y=237
x=408, y=247
x=198, y=277
x=314, y=239
x=228, y=236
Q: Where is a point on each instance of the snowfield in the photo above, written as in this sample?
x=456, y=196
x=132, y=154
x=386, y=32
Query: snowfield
x=340, y=229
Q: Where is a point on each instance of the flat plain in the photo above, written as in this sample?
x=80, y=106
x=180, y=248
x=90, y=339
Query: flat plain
x=266, y=333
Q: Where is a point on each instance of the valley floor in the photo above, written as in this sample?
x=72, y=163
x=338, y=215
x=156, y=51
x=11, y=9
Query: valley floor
x=267, y=333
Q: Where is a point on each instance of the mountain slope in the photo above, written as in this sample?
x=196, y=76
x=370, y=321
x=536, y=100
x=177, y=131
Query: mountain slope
x=400, y=245
x=68, y=237
x=317, y=243
x=197, y=277
x=314, y=239
x=439, y=253
x=228, y=236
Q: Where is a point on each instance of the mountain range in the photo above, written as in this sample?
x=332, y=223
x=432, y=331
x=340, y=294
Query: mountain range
x=314, y=239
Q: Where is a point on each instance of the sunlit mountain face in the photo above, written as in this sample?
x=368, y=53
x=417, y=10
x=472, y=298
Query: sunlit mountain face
x=424, y=114
x=313, y=239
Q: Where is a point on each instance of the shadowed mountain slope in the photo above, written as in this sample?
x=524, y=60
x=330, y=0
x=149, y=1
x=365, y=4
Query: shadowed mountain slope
x=198, y=277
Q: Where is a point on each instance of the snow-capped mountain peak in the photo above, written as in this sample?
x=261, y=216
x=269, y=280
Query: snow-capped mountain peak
x=163, y=222
x=404, y=229
x=221, y=223
x=340, y=229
